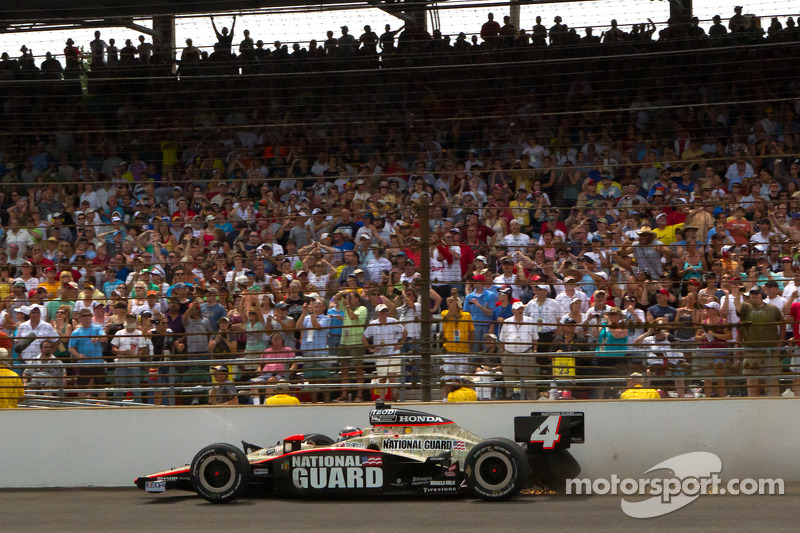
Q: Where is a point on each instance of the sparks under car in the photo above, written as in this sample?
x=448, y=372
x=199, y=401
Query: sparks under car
x=402, y=452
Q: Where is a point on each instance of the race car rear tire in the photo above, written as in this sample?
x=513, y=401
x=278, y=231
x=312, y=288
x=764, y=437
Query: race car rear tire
x=220, y=473
x=496, y=469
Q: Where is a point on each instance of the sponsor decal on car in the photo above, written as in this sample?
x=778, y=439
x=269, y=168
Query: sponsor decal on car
x=420, y=480
x=417, y=444
x=348, y=444
x=419, y=419
x=379, y=416
x=439, y=490
x=443, y=483
x=155, y=486
x=258, y=471
x=337, y=472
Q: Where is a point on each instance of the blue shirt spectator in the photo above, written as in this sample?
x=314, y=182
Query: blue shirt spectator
x=86, y=342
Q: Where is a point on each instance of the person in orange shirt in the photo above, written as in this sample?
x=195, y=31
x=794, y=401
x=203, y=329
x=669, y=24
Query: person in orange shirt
x=739, y=227
x=729, y=259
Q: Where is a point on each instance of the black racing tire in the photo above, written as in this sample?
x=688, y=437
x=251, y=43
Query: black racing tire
x=496, y=469
x=318, y=439
x=220, y=473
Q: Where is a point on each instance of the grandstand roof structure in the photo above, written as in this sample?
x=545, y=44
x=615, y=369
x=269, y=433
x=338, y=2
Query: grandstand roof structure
x=44, y=15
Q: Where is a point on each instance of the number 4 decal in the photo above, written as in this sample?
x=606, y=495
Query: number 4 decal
x=547, y=432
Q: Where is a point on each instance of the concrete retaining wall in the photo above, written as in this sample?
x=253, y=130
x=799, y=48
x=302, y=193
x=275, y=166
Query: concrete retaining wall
x=110, y=447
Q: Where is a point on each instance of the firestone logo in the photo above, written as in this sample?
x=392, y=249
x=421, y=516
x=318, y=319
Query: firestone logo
x=693, y=474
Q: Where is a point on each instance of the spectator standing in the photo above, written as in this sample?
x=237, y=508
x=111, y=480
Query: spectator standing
x=384, y=337
x=224, y=38
x=479, y=304
x=86, y=347
x=612, y=343
x=763, y=328
x=518, y=337
x=662, y=358
x=714, y=337
x=458, y=331
x=351, y=348
x=502, y=310
x=647, y=251
x=546, y=314
x=129, y=346
x=490, y=29
x=164, y=343
x=313, y=325
x=98, y=49
x=197, y=329
x=212, y=309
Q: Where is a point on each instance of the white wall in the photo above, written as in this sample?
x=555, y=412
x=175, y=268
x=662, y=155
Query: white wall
x=110, y=447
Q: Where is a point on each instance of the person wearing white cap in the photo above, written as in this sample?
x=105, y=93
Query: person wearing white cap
x=31, y=333
x=546, y=313
x=383, y=337
x=518, y=337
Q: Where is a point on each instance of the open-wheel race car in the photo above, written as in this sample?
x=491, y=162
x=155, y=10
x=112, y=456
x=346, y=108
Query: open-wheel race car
x=402, y=452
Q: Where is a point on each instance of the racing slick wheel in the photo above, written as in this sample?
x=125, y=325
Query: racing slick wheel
x=496, y=469
x=220, y=473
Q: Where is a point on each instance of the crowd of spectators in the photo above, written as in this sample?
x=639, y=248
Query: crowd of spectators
x=579, y=225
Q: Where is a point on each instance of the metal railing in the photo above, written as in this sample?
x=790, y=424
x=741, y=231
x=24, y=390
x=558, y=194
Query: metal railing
x=580, y=374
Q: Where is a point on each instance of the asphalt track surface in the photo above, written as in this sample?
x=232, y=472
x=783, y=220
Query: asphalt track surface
x=110, y=510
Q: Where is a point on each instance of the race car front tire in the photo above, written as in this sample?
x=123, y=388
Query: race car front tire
x=220, y=473
x=496, y=469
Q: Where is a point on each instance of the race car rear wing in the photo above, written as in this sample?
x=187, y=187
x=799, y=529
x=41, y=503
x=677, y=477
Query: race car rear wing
x=549, y=431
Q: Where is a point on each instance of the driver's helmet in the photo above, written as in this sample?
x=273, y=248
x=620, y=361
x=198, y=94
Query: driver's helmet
x=349, y=432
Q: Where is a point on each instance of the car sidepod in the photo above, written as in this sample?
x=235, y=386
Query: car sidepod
x=354, y=472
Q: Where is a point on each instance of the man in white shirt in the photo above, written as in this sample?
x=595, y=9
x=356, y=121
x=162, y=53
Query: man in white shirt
x=384, y=336
x=128, y=346
x=764, y=232
x=774, y=294
x=32, y=332
x=518, y=338
x=20, y=237
x=570, y=291
x=546, y=314
x=516, y=241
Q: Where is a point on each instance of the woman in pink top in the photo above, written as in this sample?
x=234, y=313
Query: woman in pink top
x=276, y=370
